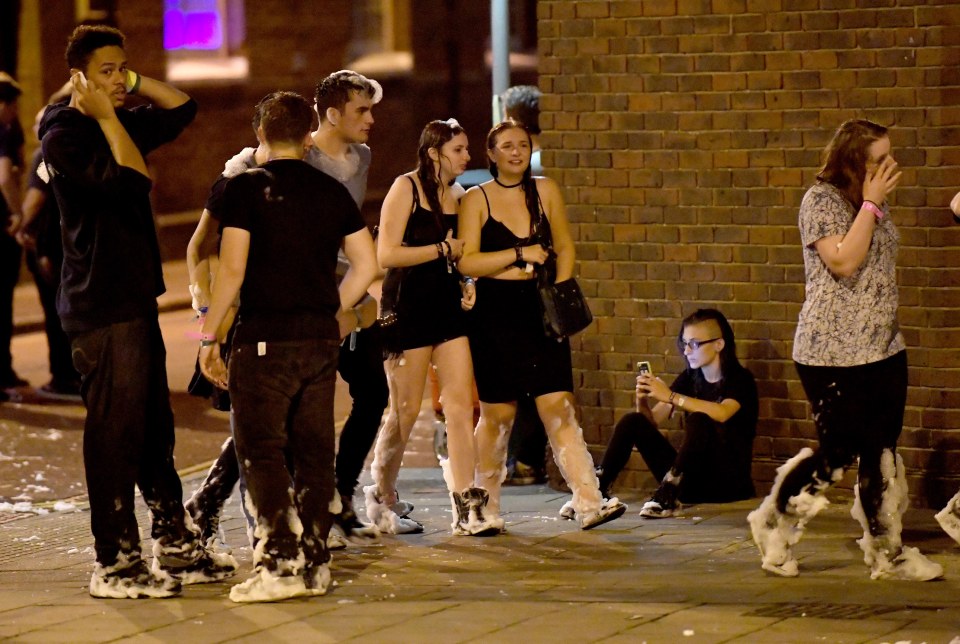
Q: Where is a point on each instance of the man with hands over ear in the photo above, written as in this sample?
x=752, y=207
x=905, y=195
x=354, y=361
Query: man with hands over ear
x=94, y=150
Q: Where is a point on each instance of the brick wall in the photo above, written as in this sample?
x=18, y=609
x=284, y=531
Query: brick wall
x=685, y=133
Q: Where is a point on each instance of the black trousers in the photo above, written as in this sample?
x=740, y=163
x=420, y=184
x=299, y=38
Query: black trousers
x=858, y=411
x=283, y=428
x=10, y=255
x=714, y=467
x=361, y=367
x=528, y=438
x=61, y=362
x=128, y=437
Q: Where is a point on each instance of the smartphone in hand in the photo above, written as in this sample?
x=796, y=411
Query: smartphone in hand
x=643, y=368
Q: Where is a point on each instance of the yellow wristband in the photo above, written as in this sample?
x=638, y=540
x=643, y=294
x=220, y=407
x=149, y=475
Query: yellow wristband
x=132, y=83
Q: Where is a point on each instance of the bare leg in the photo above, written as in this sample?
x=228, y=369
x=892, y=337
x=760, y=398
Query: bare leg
x=455, y=373
x=492, y=433
x=406, y=377
x=558, y=413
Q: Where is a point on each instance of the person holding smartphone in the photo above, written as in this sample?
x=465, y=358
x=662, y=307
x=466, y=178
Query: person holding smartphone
x=718, y=400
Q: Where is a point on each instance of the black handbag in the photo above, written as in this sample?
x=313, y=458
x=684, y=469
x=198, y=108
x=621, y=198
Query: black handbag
x=565, y=310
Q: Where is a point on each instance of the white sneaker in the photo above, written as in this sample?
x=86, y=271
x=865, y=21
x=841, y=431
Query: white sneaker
x=567, y=511
x=266, y=586
x=949, y=518
x=653, y=510
x=335, y=541
x=909, y=565
x=610, y=510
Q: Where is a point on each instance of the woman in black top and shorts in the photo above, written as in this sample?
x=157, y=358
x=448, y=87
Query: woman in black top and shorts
x=506, y=226
x=423, y=321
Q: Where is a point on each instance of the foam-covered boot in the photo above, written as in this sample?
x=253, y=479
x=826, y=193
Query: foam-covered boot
x=774, y=532
x=882, y=547
x=384, y=518
x=949, y=517
x=192, y=563
x=130, y=578
x=609, y=510
x=354, y=530
x=470, y=517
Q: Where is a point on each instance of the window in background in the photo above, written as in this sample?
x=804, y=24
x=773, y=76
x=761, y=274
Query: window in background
x=380, y=45
x=204, y=40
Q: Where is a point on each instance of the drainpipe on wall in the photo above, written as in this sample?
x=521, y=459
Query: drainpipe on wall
x=500, y=53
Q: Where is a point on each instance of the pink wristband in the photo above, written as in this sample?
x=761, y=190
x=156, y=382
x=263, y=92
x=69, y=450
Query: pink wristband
x=872, y=207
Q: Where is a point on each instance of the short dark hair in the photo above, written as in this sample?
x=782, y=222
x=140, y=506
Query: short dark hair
x=9, y=88
x=286, y=117
x=334, y=90
x=522, y=103
x=86, y=39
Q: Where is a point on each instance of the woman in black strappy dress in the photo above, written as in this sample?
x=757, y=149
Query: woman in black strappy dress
x=507, y=226
x=423, y=320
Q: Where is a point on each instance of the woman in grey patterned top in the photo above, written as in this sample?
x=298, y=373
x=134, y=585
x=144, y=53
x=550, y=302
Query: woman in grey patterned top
x=852, y=362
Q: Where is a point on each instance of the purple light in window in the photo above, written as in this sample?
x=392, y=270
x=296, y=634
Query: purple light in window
x=192, y=30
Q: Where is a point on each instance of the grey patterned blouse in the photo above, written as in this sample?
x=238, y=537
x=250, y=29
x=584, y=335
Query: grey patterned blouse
x=846, y=321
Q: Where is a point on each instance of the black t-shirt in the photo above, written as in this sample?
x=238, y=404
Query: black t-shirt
x=727, y=476
x=45, y=227
x=11, y=147
x=215, y=199
x=297, y=217
x=738, y=385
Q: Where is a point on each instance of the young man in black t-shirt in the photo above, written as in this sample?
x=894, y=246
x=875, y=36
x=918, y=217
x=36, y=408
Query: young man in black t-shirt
x=719, y=399
x=283, y=224
x=344, y=102
x=93, y=151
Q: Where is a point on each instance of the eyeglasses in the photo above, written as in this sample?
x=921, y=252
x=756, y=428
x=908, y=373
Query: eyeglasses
x=693, y=345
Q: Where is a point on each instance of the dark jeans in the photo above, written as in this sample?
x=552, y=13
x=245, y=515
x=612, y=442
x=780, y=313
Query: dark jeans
x=361, y=367
x=283, y=409
x=715, y=468
x=61, y=363
x=858, y=411
x=128, y=436
x=10, y=255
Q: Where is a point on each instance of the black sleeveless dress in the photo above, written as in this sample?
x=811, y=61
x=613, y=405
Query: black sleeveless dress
x=424, y=298
x=512, y=355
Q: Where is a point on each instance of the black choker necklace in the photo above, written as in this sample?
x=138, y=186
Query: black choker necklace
x=512, y=185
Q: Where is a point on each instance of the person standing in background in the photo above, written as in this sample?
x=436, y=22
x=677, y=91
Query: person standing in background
x=344, y=102
x=39, y=235
x=11, y=164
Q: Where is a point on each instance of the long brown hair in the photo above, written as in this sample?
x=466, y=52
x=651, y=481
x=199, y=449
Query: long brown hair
x=528, y=183
x=435, y=135
x=846, y=156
